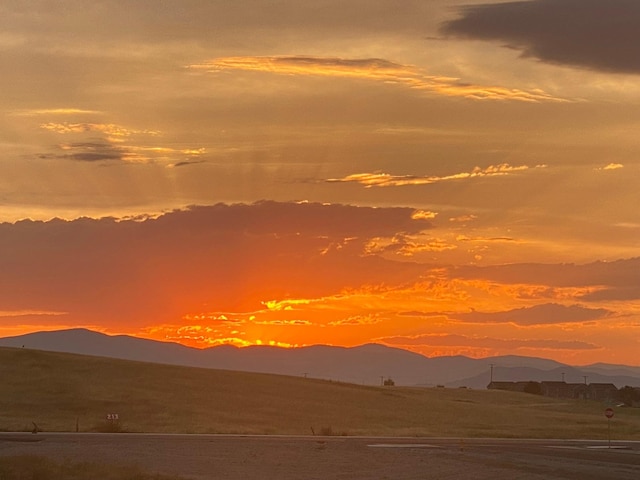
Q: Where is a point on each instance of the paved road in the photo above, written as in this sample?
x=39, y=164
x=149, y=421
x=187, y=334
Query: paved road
x=231, y=457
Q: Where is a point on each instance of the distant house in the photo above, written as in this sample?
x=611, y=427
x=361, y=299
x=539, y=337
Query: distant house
x=509, y=386
x=556, y=389
x=603, y=392
x=600, y=392
x=580, y=391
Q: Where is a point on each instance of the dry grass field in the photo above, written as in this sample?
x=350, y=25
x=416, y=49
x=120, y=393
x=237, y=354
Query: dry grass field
x=40, y=468
x=63, y=392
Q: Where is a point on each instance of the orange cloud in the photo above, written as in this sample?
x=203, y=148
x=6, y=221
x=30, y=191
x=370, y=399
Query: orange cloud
x=611, y=166
x=29, y=313
x=114, y=132
x=406, y=245
x=374, y=69
x=54, y=111
x=266, y=273
x=387, y=180
x=423, y=214
x=370, y=319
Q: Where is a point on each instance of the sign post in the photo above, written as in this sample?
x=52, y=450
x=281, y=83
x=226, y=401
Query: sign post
x=113, y=422
x=609, y=414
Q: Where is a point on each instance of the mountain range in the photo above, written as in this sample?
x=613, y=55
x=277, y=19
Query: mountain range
x=369, y=364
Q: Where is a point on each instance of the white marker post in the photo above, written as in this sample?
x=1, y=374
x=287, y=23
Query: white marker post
x=609, y=414
x=113, y=420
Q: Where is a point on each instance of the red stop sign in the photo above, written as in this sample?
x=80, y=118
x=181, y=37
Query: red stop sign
x=608, y=412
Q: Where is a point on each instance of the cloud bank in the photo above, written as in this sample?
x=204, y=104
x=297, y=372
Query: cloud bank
x=619, y=280
x=222, y=257
x=295, y=273
x=595, y=34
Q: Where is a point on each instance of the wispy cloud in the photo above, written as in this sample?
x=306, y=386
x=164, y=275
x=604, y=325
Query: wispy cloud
x=96, y=151
x=115, y=144
x=464, y=218
x=357, y=320
x=114, y=132
x=29, y=313
x=406, y=245
x=53, y=111
x=611, y=166
x=374, y=69
x=465, y=238
x=388, y=180
x=546, y=314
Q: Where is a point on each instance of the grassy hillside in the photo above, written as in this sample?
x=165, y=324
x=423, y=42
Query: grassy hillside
x=59, y=391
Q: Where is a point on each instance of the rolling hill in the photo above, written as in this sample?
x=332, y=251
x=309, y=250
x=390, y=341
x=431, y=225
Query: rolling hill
x=68, y=392
x=366, y=364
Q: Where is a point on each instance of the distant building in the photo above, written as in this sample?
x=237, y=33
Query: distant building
x=600, y=392
x=556, y=389
x=580, y=391
x=509, y=386
x=603, y=392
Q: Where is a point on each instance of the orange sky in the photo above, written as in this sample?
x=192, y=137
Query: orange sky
x=443, y=178
x=294, y=274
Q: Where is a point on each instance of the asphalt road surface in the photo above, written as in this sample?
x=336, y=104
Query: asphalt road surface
x=228, y=457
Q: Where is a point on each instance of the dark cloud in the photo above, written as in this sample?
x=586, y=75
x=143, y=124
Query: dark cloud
x=368, y=63
x=90, y=152
x=595, y=34
x=616, y=294
x=618, y=275
x=184, y=163
x=333, y=221
x=222, y=258
x=546, y=314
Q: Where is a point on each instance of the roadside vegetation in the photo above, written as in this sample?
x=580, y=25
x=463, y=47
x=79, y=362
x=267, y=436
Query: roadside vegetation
x=29, y=467
x=64, y=392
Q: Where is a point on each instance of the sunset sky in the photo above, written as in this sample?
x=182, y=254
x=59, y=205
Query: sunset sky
x=449, y=177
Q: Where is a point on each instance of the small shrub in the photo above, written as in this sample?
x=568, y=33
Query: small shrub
x=329, y=432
